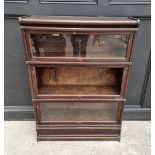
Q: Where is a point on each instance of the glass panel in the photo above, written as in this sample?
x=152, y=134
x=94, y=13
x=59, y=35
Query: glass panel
x=78, y=111
x=73, y=80
x=79, y=45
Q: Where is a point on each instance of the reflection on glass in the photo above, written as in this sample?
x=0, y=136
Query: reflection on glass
x=78, y=111
x=49, y=45
x=79, y=45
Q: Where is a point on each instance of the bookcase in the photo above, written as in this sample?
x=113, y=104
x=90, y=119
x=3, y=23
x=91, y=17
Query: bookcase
x=78, y=69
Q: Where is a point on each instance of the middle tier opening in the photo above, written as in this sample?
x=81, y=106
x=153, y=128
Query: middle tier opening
x=79, y=80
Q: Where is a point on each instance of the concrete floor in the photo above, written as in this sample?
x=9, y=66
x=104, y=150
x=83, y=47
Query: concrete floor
x=20, y=139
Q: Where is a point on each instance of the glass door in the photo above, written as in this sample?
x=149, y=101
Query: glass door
x=87, y=46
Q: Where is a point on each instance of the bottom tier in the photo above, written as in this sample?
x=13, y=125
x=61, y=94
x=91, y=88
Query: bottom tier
x=78, y=133
x=79, y=120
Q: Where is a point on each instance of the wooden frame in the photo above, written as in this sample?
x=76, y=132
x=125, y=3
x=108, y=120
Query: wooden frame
x=87, y=130
x=35, y=93
x=117, y=121
x=43, y=30
x=78, y=129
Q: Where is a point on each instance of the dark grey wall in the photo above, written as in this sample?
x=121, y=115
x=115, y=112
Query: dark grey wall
x=18, y=105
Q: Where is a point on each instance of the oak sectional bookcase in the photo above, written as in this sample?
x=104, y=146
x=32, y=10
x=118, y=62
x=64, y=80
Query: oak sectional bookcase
x=78, y=69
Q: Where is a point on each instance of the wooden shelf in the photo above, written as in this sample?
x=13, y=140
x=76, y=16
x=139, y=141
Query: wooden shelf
x=78, y=80
x=79, y=90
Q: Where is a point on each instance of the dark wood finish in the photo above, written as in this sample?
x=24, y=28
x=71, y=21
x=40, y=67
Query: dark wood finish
x=72, y=20
x=93, y=81
x=77, y=97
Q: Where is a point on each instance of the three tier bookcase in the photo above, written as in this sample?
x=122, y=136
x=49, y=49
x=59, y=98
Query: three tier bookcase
x=78, y=69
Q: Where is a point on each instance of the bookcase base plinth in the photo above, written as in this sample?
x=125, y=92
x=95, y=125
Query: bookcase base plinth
x=78, y=138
